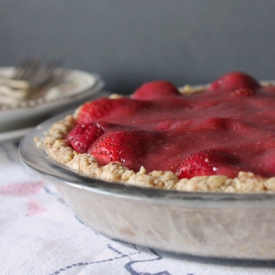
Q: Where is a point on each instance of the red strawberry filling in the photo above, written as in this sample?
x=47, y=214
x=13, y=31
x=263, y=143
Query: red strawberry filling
x=230, y=127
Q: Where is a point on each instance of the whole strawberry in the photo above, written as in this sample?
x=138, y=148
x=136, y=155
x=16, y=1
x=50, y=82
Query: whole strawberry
x=109, y=109
x=83, y=135
x=207, y=163
x=126, y=147
x=155, y=90
x=93, y=110
x=233, y=81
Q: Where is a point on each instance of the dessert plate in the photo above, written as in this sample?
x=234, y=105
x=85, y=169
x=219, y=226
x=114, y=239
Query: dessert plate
x=74, y=88
x=14, y=135
x=221, y=225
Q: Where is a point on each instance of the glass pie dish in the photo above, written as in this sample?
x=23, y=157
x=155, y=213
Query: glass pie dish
x=223, y=225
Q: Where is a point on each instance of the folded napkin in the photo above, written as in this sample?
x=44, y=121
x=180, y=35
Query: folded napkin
x=41, y=235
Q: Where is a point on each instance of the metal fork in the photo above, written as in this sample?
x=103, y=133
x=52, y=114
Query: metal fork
x=31, y=74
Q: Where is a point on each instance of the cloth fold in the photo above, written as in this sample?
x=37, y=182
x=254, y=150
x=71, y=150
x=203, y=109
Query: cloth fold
x=41, y=235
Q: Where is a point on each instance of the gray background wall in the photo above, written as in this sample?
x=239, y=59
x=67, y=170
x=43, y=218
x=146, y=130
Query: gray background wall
x=129, y=42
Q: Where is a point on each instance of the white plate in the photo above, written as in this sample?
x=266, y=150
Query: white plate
x=15, y=135
x=75, y=87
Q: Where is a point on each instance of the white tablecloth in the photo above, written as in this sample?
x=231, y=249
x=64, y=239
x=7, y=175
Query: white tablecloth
x=40, y=235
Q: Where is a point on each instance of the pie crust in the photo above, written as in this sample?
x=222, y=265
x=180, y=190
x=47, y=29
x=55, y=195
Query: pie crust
x=56, y=147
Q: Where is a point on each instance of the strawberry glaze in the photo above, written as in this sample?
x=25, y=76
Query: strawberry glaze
x=238, y=122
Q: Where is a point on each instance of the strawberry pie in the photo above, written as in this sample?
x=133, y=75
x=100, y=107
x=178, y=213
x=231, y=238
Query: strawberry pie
x=219, y=137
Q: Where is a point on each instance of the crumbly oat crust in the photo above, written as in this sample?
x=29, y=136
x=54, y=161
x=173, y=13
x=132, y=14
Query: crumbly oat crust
x=58, y=149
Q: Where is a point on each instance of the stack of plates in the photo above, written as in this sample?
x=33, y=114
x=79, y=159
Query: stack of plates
x=73, y=89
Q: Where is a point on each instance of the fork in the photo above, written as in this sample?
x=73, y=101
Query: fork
x=30, y=74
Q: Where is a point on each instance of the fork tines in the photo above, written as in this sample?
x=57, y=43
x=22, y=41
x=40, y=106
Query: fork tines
x=25, y=68
x=35, y=72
